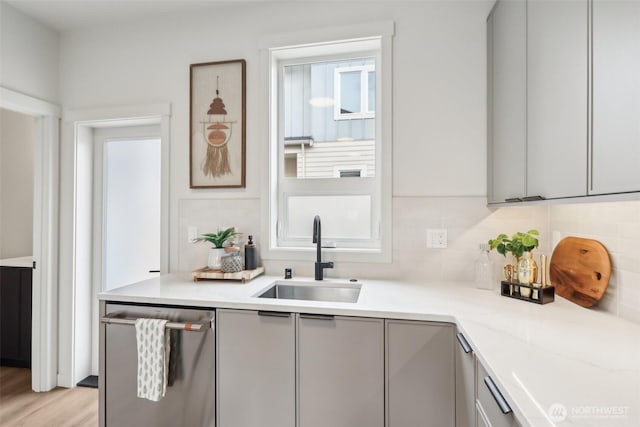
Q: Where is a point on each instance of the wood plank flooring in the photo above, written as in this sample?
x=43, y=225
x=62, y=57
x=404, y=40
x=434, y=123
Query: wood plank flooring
x=60, y=407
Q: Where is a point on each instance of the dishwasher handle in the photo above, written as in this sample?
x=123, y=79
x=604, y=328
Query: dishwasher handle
x=182, y=326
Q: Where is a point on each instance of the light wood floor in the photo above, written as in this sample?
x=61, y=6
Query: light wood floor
x=20, y=406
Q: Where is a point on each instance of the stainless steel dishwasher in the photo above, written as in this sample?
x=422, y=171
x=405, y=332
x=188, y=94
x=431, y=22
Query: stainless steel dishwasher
x=190, y=396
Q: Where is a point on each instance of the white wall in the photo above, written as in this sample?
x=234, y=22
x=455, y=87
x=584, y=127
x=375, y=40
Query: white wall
x=29, y=54
x=439, y=91
x=16, y=184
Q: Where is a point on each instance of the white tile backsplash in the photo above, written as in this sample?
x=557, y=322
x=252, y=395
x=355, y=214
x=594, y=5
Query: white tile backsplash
x=617, y=226
x=468, y=222
x=208, y=215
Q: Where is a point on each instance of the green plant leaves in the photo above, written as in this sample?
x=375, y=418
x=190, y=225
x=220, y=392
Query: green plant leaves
x=218, y=238
x=518, y=244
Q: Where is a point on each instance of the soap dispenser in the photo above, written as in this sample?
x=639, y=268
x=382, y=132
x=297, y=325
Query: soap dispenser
x=250, y=255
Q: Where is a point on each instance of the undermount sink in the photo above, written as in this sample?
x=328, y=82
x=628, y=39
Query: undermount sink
x=312, y=291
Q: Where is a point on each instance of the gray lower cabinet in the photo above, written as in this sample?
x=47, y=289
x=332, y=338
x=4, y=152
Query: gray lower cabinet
x=340, y=371
x=465, y=382
x=492, y=409
x=255, y=368
x=420, y=374
x=311, y=370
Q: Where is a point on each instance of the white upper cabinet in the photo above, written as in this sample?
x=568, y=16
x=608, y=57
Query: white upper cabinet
x=507, y=101
x=557, y=76
x=616, y=97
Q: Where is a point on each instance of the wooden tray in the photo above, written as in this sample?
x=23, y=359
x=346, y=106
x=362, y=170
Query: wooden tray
x=242, y=276
x=580, y=270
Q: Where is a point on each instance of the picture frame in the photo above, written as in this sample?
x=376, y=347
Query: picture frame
x=217, y=124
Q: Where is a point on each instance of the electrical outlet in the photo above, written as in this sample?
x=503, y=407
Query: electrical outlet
x=192, y=233
x=436, y=238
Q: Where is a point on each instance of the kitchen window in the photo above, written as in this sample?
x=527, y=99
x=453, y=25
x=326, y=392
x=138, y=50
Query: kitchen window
x=330, y=144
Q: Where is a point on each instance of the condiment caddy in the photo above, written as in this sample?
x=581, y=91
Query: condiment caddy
x=526, y=288
x=537, y=294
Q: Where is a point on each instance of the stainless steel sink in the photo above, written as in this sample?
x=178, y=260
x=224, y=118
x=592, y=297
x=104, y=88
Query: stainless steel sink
x=310, y=291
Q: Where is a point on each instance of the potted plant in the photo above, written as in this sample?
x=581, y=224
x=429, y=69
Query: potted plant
x=218, y=240
x=518, y=245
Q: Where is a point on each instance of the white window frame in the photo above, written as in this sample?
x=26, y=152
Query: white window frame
x=364, y=112
x=276, y=50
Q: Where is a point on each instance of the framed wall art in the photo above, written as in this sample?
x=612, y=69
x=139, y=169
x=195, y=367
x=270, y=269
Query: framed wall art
x=217, y=124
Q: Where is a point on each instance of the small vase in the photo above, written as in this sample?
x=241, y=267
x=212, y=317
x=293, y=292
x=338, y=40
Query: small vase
x=214, y=258
x=527, y=272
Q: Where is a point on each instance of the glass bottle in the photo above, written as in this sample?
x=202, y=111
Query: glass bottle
x=483, y=268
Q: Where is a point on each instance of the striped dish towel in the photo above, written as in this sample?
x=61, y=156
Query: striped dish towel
x=153, y=358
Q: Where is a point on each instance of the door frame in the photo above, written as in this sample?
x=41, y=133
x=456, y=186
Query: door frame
x=75, y=335
x=44, y=346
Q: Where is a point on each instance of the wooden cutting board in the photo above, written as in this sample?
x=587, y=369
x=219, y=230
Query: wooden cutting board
x=580, y=270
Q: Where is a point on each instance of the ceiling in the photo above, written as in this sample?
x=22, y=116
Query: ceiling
x=65, y=15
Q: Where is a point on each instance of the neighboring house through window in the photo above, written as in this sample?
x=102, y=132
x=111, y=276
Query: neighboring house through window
x=331, y=143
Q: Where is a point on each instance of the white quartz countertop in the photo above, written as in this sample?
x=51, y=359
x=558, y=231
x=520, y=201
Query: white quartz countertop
x=557, y=364
x=25, y=261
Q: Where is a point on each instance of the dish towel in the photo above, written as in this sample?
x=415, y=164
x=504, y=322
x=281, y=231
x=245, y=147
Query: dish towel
x=153, y=358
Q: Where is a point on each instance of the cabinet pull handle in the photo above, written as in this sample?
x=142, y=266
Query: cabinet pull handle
x=464, y=343
x=513, y=199
x=317, y=316
x=532, y=198
x=495, y=392
x=274, y=313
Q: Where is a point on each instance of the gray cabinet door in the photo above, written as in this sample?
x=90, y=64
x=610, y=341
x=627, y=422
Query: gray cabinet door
x=616, y=97
x=465, y=383
x=420, y=374
x=340, y=371
x=507, y=86
x=557, y=76
x=255, y=368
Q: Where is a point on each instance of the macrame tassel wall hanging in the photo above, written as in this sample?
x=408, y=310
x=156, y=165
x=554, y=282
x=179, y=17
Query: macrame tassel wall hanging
x=217, y=134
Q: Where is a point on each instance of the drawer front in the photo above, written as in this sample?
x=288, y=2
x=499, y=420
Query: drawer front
x=489, y=411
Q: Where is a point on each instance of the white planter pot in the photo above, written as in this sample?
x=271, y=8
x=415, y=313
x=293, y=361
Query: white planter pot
x=214, y=258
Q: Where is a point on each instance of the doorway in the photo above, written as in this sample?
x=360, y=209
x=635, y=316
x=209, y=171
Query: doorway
x=45, y=233
x=130, y=184
x=114, y=150
x=127, y=189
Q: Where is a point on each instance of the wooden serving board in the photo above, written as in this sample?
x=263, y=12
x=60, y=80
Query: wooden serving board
x=580, y=270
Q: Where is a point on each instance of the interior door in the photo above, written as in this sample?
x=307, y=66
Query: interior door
x=131, y=211
x=126, y=210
